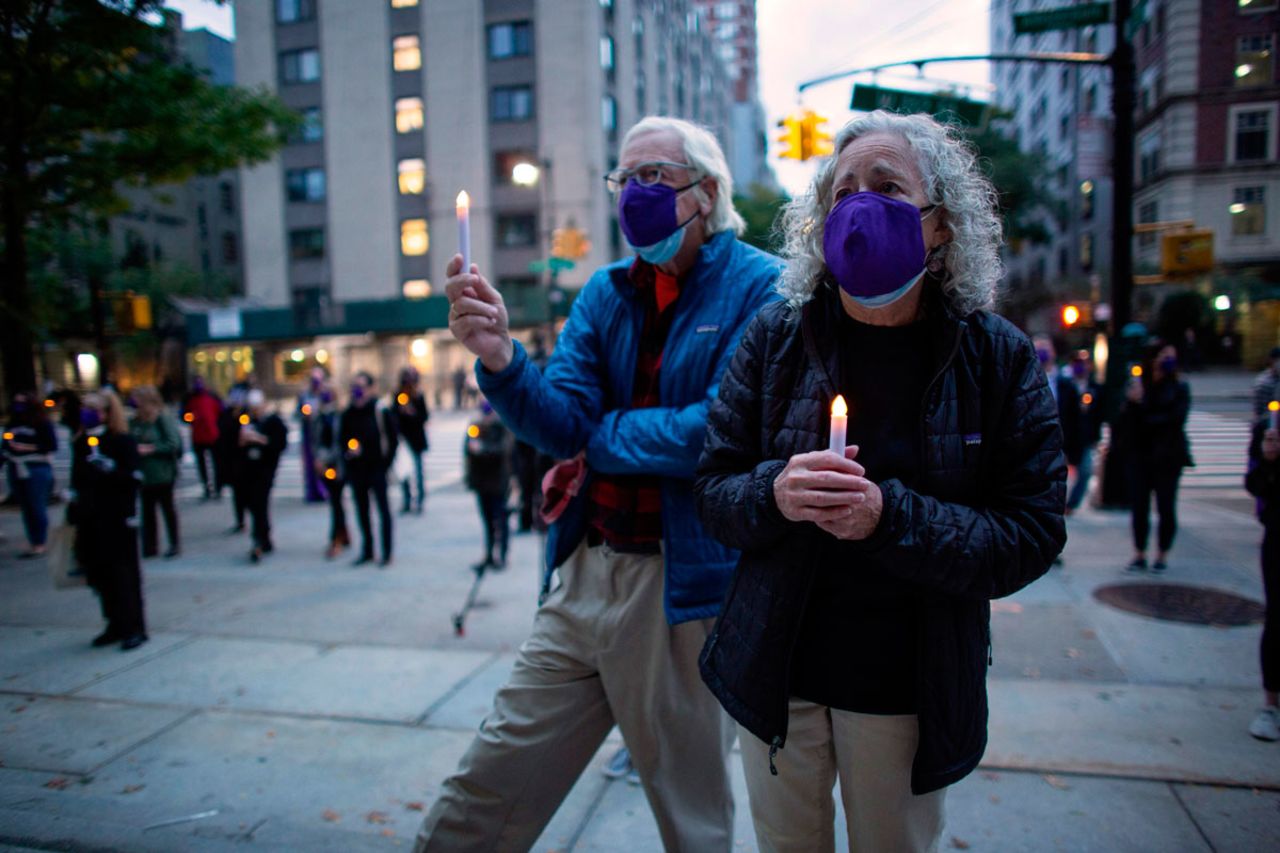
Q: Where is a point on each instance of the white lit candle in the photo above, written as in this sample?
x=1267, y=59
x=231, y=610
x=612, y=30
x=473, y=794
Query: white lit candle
x=464, y=230
x=1273, y=410
x=839, y=424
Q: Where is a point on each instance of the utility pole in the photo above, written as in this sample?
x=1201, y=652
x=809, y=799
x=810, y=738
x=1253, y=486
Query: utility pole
x=1122, y=76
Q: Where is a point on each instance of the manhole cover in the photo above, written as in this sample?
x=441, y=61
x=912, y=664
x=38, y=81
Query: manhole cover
x=1181, y=603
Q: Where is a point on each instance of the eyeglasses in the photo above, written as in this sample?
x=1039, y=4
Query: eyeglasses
x=646, y=174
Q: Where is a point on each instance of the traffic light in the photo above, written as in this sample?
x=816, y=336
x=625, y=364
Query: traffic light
x=815, y=142
x=569, y=243
x=792, y=138
x=1070, y=315
x=557, y=243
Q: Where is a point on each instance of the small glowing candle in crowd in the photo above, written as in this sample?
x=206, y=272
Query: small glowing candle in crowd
x=473, y=431
x=464, y=230
x=331, y=473
x=8, y=436
x=839, y=423
x=49, y=404
x=306, y=410
x=244, y=420
x=1087, y=399
x=1136, y=371
x=1273, y=411
x=352, y=444
x=189, y=418
x=402, y=398
x=93, y=441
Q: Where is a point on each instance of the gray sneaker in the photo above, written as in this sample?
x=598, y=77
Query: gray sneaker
x=1266, y=726
x=620, y=765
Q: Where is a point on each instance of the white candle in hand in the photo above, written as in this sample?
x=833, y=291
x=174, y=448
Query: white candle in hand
x=839, y=424
x=464, y=230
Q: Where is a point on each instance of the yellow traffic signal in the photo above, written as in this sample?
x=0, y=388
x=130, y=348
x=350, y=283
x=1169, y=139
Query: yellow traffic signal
x=792, y=138
x=814, y=141
x=558, y=243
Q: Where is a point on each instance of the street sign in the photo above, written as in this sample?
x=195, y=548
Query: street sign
x=552, y=264
x=867, y=98
x=1062, y=18
x=1186, y=251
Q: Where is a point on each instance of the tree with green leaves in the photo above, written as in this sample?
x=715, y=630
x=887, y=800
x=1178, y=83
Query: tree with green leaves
x=760, y=206
x=91, y=101
x=1021, y=179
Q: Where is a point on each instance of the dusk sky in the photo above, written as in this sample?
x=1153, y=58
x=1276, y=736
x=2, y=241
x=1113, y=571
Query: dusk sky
x=804, y=39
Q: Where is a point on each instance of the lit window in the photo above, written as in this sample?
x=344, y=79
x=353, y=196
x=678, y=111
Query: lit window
x=1255, y=61
x=416, y=288
x=413, y=237
x=304, y=184
x=406, y=55
x=413, y=176
x=408, y=114
x=1086, y=200
x=510, y=39
x=1248, y=211
x=1252, y=133
x=403, y=4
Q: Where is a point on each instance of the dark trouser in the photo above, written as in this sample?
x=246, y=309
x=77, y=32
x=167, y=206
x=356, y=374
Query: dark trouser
x=525, y=459
x=362, y=483
x=416, y=455
x=33, y=496
x=257, y=495
x=207, y=464
x=1143, y=480
x=493, y=515
x=109, y=554
x=161, y=494
x=337, y=513
x=239, y=500
x=312, y=484
x=1270, y=646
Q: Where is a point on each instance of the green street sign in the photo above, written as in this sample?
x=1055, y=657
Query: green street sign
x=552, y=264
x=1062, y=18
x=867, y=98
x=1137, y=18
x=537, y=267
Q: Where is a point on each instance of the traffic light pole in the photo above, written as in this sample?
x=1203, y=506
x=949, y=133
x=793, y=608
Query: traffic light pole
x=1122, y=76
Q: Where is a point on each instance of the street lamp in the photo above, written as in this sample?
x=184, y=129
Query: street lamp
x=525, y=174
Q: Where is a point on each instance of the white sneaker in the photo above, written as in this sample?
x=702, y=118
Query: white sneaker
x=619, y=766
x=1266, y=726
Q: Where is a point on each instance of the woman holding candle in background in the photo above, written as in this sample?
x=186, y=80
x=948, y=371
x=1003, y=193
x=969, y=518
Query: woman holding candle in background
x=855, y=640
x=1154, y=425
x=105, y=479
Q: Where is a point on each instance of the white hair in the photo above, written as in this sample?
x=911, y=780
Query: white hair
x=971, y=267
x=703, y=154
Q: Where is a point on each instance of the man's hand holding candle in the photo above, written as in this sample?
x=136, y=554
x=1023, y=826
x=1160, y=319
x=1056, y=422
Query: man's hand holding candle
x=478, y=316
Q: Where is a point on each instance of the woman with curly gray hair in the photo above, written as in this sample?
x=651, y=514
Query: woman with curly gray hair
x=855, y=639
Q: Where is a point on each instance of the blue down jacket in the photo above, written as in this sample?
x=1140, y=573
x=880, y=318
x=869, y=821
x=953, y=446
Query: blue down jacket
x=583, y=401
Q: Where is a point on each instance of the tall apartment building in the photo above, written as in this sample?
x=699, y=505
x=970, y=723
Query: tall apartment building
x=348, y=230
x=732, y=25
x=1062, y=116
x=1206, y=148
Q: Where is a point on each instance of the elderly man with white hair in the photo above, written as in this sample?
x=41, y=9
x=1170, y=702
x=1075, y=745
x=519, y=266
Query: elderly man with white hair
x=624, y=401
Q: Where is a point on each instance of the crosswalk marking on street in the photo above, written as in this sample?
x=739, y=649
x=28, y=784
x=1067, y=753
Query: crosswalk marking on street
x=1220, y=448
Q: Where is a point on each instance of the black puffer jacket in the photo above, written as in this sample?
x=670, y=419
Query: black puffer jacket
x=985, y=521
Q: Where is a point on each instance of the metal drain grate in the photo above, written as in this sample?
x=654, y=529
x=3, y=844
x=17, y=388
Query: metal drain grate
x=1174, y=602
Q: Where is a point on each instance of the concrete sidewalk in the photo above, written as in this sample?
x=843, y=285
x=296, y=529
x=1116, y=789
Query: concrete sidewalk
x=306, y=705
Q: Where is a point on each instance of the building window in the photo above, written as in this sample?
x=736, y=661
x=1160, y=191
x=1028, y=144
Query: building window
x=403, y=4
x=304, y=184
x=1255, y=62
x=1148, y=212
x=1091, y=99
x=1251, y=134
x=406, y=54
x=505, y=162
x=230, y=251
x=412, y=176
x=1148, y=156
x=726, y=10
x=409, y=116
x=306, y=244
x=1248, y=6
x=312, y=128
x=1149, y=88
x=609, y=113
x=1248, y=211
x=1064, y=126
x=511, y=103
x=413, y=237
x=1086, y=251
x=1064, y=80
x=514, y=38
x=516, y=230
x=300, y=66
x=606, y=52
x=292, y=11
x=416, y=288
x=226, y=197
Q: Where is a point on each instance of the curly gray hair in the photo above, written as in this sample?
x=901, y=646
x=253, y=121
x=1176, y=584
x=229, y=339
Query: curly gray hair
x=949, y=165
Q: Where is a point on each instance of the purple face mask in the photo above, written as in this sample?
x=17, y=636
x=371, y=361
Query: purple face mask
x=486, y=408
x=90, y=418
x=647, y=215
x=357, y=393
x=1079, y=369
x=1043, y=355
x=873, y=247
x=1168, y=364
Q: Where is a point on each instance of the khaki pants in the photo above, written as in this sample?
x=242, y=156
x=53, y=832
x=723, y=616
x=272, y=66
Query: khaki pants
x=601, y=653
x=872, y=755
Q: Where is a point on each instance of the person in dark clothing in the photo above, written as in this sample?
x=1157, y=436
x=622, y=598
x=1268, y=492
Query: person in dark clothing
x=105, y=477
x=855, y=640
x=262, y=438
x=531, y=466
x=308, y=406
x=29, y=444
x=330, y=462
x=201, y=410
x=487, y=457
x=229, y=467
x=160, y=446
x=1153, y=427
x=369, y=436
x=412, y=415
x=1088, y=426
x=1263, y=482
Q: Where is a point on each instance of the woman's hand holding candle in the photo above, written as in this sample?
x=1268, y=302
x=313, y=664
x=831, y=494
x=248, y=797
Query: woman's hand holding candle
x=821, y=487
x=478, y=316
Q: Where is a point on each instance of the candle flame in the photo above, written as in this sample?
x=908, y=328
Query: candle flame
x=402, y=399
x=8, y=436
x=839, y=408
x=244, y=420
x=93, y=441
x=352, y=444
x=1087, y=399
x=1273, y=406
x=1135, y=371
x=330, y=473
x=463, y=202
x=49, y=404
x=189, y=418
x=306, y=408
x=473, y=431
